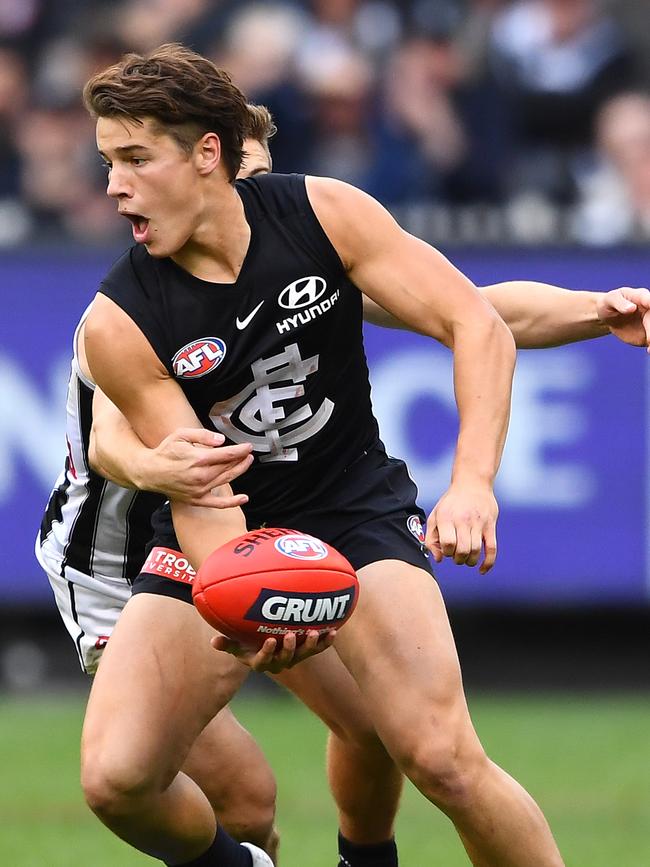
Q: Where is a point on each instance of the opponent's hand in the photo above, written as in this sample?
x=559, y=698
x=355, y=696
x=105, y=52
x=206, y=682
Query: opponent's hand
x=463, y=523
x=189, y=464
x=275, y=657
x=626, y=312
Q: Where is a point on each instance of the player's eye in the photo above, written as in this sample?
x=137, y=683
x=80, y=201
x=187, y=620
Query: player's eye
x=137, y=161
x=106, y=165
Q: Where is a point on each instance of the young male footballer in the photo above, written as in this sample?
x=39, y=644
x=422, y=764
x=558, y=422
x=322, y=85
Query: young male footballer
x=285, y=257
x=240, y=309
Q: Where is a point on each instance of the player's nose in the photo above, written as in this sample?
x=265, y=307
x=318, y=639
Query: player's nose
x=117, y=186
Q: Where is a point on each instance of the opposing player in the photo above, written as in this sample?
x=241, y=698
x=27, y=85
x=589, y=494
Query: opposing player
x=92, y=544
x=247, y=298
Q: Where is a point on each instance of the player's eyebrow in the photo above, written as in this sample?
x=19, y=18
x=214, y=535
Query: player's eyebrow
x=123, y=150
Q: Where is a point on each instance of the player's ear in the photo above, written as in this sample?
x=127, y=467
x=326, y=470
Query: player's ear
x=207, y=153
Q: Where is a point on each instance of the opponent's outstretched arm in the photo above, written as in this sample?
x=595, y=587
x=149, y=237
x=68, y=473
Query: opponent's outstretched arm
x=541, y=315
x=421, y=288
x=187, y=465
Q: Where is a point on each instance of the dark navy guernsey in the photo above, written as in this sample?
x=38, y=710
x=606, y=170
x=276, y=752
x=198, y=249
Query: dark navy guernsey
x=275, y=358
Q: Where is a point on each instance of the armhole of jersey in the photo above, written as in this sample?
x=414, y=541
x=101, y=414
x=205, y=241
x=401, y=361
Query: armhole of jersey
x=124, y=286
x=166, y=363
x=76, y=365
x=299, y=185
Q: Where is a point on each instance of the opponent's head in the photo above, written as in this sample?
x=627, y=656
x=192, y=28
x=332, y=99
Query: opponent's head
x=171, y=127
x=257, y=156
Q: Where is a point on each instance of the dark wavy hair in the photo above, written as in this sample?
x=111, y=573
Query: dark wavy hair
x=261, y=126
x=183, y=92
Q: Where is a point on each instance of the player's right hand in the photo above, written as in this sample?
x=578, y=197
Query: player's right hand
x=463, y=524
x=191, y=464
x=626, y=312
x=274, y=657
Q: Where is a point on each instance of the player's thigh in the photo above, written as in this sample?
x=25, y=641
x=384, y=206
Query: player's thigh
x=159, y=684
x=327, y=688
x=399, y=647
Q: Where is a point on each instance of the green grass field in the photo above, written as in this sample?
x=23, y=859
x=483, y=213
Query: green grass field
x=586, y=760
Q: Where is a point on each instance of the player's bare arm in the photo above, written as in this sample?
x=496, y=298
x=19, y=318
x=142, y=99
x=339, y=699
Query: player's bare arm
x=541, y=315
x=139, y=386
x=420, y=287
x=187, y=465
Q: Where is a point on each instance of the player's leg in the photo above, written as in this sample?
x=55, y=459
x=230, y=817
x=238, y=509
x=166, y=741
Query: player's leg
x=230, y=768
x=364, y=780
x=366, y=785
x=400, y=650
x=158, y=686
x=225, y=761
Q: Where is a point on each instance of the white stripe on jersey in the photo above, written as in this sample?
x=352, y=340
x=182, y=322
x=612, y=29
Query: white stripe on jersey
x=92, y=524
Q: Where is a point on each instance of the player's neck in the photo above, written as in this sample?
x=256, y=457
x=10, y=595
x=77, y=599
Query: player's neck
x=217, y=248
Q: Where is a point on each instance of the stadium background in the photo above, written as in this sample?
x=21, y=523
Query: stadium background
x=515, y=136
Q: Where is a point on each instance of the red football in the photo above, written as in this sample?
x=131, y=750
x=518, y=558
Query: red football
x=272, y=581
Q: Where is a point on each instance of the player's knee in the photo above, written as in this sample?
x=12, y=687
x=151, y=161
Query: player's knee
x=112, y=787
x=447, y=770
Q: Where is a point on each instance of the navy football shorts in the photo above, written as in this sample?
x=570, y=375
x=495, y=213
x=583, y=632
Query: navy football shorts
x=372, y=515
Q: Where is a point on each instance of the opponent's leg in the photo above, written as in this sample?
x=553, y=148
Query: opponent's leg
x=366, y=785
x=230, y=768
x=400, y=650
x=364, y=780
x=159, y=684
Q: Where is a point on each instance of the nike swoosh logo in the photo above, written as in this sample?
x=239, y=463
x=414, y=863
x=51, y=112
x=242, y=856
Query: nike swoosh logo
x=242, y=323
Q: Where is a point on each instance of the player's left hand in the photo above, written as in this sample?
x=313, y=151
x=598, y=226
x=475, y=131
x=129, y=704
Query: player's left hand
x=463, y=524
x=626, y=312
x=273, y=656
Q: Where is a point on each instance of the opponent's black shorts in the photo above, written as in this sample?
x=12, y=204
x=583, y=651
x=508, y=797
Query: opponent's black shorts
x=371, y=516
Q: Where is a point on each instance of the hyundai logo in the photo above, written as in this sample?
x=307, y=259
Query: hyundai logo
x=302, y=292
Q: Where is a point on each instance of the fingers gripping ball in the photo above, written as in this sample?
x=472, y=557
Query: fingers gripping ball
x=272, y=581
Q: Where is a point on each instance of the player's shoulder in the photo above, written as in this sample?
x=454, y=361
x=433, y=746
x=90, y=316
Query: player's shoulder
x=135, y=265
x=278, y=194
x=271, y=180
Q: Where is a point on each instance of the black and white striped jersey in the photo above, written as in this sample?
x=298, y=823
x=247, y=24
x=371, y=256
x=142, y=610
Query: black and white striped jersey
x=90, y=524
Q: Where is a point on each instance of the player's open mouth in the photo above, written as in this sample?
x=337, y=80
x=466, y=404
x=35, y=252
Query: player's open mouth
x=140, y=226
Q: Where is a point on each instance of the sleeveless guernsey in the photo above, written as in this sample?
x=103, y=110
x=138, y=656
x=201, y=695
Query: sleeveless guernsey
x=275, y=358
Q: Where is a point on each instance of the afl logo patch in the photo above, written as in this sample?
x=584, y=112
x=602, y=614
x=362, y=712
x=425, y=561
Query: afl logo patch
x=415, y=527
x=300, y=547
x=302, y=293
x=199, y=357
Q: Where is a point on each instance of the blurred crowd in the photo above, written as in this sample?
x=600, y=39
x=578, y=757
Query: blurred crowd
x=524, y=107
